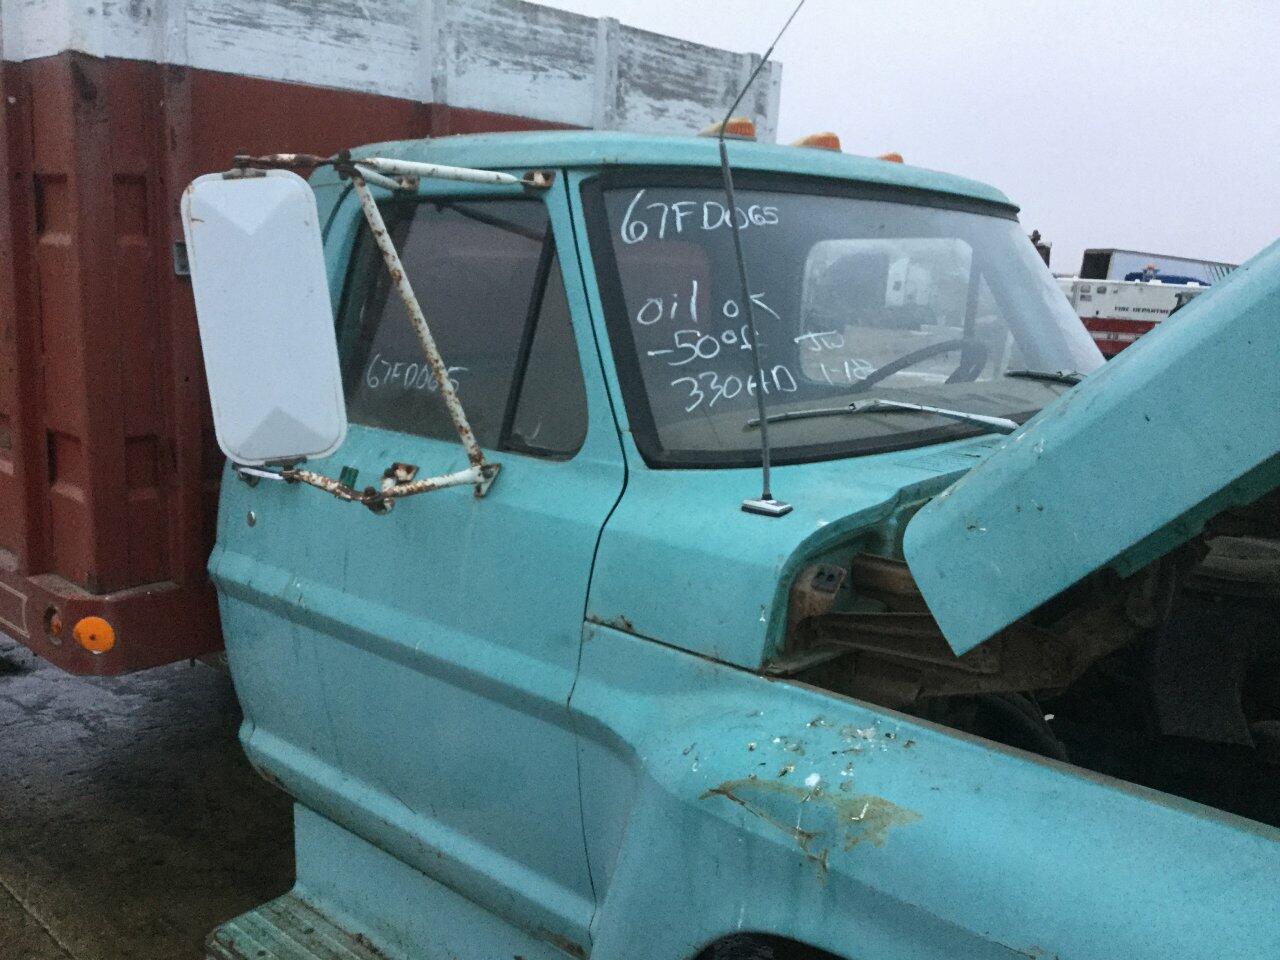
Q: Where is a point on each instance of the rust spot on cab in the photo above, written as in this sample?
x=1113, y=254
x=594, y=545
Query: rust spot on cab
x=564, y=943
x=619, y=622
x=831, y=821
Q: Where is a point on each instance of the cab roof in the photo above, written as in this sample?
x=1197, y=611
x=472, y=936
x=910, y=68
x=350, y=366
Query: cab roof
x=596, y=149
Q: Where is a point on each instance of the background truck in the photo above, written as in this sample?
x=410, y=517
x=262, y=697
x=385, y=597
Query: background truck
x=108, y=471
x=1118, y=312
x=547, y=678
x=1109, y=263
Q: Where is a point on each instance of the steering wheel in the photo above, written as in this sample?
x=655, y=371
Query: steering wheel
x=973, y=357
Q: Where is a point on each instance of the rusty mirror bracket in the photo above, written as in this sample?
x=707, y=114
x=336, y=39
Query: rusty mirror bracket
x=394, y=175
x=396, y=482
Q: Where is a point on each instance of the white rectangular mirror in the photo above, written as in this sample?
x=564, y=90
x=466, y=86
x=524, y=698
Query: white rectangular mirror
x=265, y=318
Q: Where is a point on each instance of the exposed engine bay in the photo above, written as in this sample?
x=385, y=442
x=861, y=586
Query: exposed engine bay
x=1169, y=678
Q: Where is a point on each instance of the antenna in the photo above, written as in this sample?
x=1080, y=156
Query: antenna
x=765, y=504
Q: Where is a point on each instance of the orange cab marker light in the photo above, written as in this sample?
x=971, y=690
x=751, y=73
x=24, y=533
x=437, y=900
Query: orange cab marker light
x=738, y=128
x=893, y=157
x=820, y=141
x=94, y=634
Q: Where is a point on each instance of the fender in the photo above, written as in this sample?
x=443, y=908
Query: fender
x=721, y=801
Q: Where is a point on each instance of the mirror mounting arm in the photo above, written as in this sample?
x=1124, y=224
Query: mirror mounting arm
x=382, y=499
x=392, y=175
x=385, y=172
x=397, y=483
x=400, y=280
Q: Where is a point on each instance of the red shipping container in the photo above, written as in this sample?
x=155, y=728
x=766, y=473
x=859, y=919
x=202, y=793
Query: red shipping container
x=108, y=469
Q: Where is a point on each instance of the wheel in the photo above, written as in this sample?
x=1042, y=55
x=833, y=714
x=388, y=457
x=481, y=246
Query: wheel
x=759, y=947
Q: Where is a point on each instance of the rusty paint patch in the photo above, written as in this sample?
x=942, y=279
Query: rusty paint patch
x=835, y=821
x=283, y=927
x=802, y=837
x=270, y=777
x=564, y=943
x=617, y=623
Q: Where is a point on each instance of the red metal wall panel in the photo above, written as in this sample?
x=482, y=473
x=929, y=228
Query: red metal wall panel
x=21, y=478
x=108, y=469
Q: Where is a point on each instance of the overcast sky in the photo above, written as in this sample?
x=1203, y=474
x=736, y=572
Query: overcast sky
x=1145, y=124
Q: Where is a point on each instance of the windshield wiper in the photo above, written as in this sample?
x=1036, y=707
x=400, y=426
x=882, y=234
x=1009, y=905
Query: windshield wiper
x=997, y=424
x=1050, y=376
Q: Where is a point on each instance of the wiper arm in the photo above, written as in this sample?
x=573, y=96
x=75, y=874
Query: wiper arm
x=996, y=424
x=1050, y=376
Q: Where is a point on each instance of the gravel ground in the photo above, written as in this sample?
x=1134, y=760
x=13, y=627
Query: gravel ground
x=130, y=822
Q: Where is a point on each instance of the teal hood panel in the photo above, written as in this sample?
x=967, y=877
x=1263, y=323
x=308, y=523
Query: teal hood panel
x=680, y=562
x=1118, y=471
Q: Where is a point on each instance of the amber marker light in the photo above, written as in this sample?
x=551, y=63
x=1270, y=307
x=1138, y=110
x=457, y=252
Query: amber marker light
x=820, y=141
x=893, y=157
x=94, y=634
x=738, y=128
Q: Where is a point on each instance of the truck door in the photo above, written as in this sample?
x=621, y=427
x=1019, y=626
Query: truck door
x=429, y=653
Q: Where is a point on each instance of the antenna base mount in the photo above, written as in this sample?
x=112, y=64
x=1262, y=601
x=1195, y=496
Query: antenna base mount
x=766, y=507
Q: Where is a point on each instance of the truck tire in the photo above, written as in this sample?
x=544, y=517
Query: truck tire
x=756, y=947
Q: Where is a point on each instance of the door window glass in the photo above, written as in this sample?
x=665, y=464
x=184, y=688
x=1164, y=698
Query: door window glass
x=551, y=410
x=488, y=282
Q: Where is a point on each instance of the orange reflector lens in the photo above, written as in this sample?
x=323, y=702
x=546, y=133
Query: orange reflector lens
x=94, y=634
x=820, y=141
x=738, y=128
x=894, y=157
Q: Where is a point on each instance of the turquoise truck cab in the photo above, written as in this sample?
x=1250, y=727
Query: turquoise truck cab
x=979, y=694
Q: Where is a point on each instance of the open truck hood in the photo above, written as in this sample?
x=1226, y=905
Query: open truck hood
x=1117, y=472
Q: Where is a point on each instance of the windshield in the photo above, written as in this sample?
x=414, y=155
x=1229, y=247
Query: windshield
x=855, y=296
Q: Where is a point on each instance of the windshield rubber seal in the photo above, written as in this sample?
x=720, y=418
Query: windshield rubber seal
x=626, y=359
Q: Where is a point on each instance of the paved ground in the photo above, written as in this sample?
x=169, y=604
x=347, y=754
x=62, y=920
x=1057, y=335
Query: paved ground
x=130, y=823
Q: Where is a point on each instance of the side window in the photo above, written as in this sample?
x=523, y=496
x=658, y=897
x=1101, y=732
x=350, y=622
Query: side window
x=486, y=276
x=551, y=406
